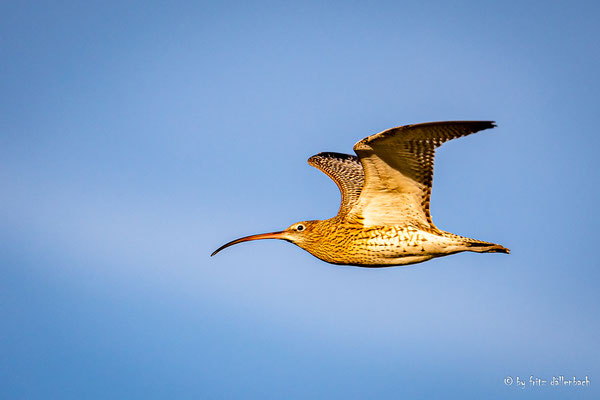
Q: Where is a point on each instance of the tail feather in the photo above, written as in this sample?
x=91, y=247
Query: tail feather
x=486, y=247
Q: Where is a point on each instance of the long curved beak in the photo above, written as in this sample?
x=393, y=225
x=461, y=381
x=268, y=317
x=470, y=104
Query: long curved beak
x=272, y=235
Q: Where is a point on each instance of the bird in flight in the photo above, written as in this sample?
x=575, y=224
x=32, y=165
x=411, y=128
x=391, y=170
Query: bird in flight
x=384, y=217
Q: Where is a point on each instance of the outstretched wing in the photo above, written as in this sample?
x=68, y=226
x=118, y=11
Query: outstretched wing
x=398, y=167
x=346, y=171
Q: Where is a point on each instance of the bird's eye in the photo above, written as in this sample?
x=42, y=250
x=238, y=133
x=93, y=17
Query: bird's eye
x=300, y=228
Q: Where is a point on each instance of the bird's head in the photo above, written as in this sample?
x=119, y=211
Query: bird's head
x=299, y=233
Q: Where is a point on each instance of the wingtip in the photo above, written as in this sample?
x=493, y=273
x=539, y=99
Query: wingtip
x=324, y=156
x=483, y=124
x=333, y=154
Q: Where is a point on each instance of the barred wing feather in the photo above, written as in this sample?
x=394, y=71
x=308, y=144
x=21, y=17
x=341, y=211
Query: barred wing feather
x=398, y=171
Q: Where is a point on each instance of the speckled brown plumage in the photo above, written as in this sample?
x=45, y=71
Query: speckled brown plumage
x=347, y=173
x=384, y=217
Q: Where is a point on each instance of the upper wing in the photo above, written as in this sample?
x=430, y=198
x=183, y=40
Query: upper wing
x=398, y=167
x=346, y=171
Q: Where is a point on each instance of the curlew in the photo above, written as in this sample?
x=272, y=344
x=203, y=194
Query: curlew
x=384, y=217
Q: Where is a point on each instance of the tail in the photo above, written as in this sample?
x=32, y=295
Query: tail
x=486, y=247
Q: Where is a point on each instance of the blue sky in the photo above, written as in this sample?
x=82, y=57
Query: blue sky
x=137, y=138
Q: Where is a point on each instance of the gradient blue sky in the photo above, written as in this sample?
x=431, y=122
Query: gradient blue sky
x=136, y=138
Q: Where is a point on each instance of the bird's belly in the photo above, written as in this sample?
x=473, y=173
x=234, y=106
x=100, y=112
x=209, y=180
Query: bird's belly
x=387, y=246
